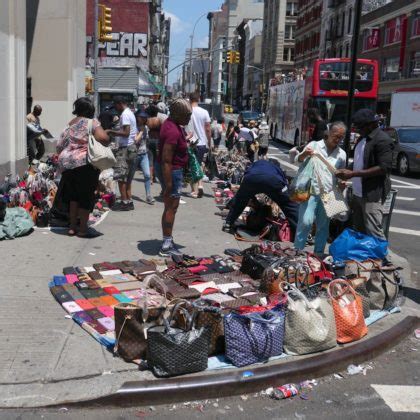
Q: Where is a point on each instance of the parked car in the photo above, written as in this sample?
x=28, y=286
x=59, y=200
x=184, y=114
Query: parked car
x=406, y=154
x=246, y=116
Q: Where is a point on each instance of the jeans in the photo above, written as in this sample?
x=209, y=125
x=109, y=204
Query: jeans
x=309, y=212
x=177, y=181
x=252, y=186
x=143, y=165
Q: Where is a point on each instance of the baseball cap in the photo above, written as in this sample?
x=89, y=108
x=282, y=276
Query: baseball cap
x=364, y=116
x=142, y=114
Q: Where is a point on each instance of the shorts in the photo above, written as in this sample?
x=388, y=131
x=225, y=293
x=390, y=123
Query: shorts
x=177, y=181
x=125, y=167
x=200, y=151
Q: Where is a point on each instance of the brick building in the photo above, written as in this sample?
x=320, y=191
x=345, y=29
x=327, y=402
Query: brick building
x=308, y=32
x=391, y=35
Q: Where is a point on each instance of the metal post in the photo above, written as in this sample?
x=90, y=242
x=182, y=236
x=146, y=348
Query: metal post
x=95, y=56
x=190, y=75
x=350, y=99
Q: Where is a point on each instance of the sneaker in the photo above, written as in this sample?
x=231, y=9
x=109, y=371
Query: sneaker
x=169, y=251
x=150, y=200
x=200, y=193
x=227, y=227
x=130, y=205
x=120, y=206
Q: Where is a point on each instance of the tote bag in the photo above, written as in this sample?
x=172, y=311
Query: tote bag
x=98, y=155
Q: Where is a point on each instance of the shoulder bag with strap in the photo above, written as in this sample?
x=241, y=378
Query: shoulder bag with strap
x=333, y=201
x=98, y=155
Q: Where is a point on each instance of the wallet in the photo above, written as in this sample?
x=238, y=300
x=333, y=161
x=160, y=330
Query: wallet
x=69, y=270
x=84, y=304
x=94, y=313
x=60, y=294
x=94, y=275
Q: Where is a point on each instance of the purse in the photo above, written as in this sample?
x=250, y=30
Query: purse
x=359, y=285
x=132, y=321
x=175, y=351
x=98, y=155
x=254, y=265
x=348, y=312
x=310, y=325
x=334, y=201
x=254, y=337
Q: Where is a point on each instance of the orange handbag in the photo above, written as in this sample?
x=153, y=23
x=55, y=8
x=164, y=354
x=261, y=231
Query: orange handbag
x=348, y=312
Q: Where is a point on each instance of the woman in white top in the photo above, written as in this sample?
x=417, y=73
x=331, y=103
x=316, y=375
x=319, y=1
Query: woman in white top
x=312, y=211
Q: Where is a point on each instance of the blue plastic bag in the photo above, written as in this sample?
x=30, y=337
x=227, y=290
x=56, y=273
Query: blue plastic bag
x=352, y=245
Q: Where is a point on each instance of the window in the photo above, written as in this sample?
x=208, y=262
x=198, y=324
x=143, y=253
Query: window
x=415, y=26
x=349, y=22
x=343, y=22
x=291, y=9
x=415, y=64
x=393, y=29
x=288, y=54
x=288, y=33
x=371, y=38
x=391, y=68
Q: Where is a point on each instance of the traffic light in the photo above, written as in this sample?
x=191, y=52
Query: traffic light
x=104, y=24
x=237, y=57
x=229, y=57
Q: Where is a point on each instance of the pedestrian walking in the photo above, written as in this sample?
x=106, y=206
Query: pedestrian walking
x=312, y=211
x=79, y=179
x=263, y=139
x=216, y=132
x=142, y=139
x=370, y=174
x=230, y=135
x=173, y=158
x=35, y=132
x=201, y=129
x=126, y=154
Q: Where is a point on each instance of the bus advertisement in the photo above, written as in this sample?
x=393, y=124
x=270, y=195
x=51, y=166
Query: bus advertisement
x=325, y=87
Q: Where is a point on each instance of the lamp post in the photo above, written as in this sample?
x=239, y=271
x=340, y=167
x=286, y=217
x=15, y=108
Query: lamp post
x=191, y=48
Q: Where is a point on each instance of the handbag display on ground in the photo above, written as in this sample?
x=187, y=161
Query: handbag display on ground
x=310, y=325
x=254, y=337
x=175, y=351
x=359, y=285
x=100, y=156
x=348, y=312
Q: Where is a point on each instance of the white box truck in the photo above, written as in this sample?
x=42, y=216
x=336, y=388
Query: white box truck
x=405, y=108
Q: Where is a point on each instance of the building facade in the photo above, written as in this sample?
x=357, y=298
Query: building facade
x=42, y=49
x=196, y=80
x=337, y=28
x=391, y=35
x=308, y=32
x=280, y=18
x=135, y=62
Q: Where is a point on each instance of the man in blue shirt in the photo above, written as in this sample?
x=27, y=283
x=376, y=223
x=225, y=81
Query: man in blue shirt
x=264, y=177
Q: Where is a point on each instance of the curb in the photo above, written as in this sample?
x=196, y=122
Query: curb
x=234, y=383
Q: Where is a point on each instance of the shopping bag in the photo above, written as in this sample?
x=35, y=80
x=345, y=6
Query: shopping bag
x=300, y=188
x=195, y=170
x=353, y=245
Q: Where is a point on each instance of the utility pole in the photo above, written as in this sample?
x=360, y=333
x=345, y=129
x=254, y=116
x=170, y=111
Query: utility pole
x=95, y=55
x=190, y=73
x=353, y=65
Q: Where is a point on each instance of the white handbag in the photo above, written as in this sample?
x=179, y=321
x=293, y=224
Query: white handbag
x=98, y=155
x=334, y=201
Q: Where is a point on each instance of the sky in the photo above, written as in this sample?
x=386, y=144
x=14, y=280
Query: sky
x=184, y=14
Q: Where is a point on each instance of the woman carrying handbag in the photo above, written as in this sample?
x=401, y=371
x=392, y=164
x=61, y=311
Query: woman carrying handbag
x=80, y=177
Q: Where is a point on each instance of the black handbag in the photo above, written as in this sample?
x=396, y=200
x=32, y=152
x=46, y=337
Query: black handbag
x=254, y=265
x=175, y=351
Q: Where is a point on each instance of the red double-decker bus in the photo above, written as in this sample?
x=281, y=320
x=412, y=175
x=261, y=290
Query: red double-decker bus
x=324, y=87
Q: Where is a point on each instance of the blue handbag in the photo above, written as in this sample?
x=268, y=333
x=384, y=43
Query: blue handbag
x=254, y=337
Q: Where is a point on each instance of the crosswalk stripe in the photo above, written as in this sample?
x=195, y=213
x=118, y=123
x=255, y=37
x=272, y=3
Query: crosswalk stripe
x=283, y=162
x=400, y=398
x=407, y=187
x=404, y=231
x=405, y=198
x=404, y=182
x=408, y=212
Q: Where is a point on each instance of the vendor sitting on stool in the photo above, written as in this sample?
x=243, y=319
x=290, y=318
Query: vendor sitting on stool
x=263, y=177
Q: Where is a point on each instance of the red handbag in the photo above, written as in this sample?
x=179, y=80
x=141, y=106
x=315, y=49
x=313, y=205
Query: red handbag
x=319, y=272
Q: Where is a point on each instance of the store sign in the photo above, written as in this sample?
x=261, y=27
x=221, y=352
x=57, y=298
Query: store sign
x=126, y=45
x=416, y=24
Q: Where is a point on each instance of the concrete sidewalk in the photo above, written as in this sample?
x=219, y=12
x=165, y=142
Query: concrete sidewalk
x=48, y=359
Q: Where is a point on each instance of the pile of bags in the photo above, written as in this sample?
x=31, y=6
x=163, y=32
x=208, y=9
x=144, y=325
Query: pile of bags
x=250, y=306
x=231, y=166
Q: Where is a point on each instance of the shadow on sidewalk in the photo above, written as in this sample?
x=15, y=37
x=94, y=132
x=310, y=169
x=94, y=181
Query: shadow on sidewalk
x=151, y=247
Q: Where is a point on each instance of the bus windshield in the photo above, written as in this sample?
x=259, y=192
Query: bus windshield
x=335, y=76
x=335, y=109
